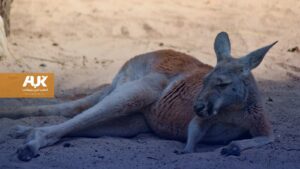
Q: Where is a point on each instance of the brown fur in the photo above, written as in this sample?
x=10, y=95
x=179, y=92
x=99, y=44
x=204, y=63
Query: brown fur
x=170, y=114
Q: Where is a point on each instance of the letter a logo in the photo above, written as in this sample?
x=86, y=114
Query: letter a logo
x=28, y=80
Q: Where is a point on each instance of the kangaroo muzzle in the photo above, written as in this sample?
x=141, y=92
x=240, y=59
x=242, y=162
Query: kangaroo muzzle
x=206, y=109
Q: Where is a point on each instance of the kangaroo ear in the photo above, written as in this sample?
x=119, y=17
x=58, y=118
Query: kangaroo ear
x=222, y=46
x=253, y=59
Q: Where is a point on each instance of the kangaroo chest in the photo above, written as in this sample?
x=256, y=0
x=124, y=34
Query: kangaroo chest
x=170, y=115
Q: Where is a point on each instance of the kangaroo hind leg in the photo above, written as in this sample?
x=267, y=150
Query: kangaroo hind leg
x=127, y=126
x=125, y=100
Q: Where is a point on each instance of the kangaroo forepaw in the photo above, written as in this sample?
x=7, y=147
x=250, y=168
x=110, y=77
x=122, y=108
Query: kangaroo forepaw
x=186, y=150
x=231, y=149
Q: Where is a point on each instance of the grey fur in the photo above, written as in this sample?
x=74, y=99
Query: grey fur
x=253, y=59
x=230, y=94
x=222, y=46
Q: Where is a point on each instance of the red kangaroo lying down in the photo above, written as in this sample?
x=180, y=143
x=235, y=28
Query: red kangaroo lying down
x=170, y=94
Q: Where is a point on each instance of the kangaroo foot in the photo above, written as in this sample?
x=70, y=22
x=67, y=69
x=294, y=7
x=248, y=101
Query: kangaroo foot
x=38, y=138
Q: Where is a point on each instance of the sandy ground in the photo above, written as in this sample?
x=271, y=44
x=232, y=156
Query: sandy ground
x=84, y=42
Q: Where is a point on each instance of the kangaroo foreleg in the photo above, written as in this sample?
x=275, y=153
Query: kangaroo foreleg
x=260, y=129
x=196, y=130
x=235, y=147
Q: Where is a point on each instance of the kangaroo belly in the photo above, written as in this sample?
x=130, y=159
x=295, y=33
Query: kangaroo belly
x=170, y=123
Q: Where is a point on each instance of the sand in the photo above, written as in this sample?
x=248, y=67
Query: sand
x=85, y=42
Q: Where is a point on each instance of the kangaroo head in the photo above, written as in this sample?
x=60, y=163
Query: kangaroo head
x=224, y=87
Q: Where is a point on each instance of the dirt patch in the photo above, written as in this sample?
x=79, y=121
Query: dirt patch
x=85, y=43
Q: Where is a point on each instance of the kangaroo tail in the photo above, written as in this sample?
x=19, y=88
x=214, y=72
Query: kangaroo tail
x=66, y=109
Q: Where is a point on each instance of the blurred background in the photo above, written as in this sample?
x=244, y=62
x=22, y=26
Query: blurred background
x=85, y=42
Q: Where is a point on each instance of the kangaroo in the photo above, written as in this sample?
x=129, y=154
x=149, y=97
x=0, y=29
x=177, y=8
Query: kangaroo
x=170, y=94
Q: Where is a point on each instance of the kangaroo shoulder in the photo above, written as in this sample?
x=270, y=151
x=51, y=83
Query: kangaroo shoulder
x=174, y=62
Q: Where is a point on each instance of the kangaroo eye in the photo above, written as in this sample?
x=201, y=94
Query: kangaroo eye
x=223, y=85
x=222, y=82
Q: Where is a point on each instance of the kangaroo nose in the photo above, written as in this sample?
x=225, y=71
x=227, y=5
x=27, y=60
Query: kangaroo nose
x=199, y=107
